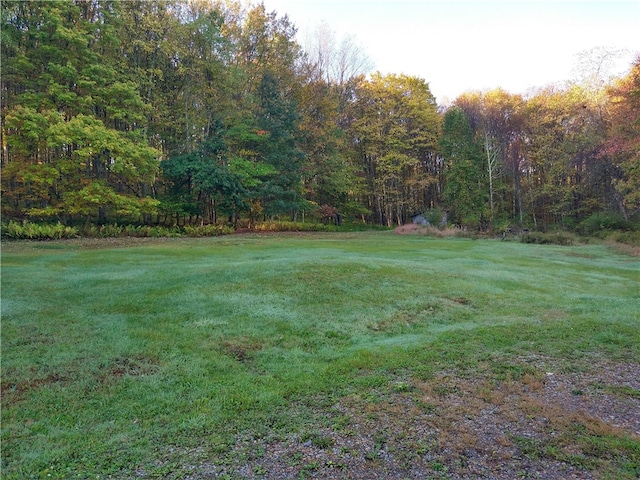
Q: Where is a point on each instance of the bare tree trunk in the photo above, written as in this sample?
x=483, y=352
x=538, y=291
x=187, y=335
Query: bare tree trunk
x=492, y=159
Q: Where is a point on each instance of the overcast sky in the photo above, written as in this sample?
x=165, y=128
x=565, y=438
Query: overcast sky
x=462, y=45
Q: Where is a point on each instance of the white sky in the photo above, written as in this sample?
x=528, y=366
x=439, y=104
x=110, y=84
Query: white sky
x=463, y=45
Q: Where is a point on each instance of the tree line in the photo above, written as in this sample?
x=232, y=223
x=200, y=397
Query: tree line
x=178, y=112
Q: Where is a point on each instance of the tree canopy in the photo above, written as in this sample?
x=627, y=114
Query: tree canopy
x=176, y=111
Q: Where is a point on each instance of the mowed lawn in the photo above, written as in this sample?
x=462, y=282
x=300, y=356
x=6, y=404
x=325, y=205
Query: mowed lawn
x=319, y=356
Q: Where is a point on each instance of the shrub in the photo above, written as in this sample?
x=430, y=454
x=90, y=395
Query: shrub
x=115, y=230
x=211, y=230
x=628, y=238
x=153, y=231
x=556, y=238
x=293, y=227
x=27, y=230
x=437, y=218
x=102, y=231
x=603, y=222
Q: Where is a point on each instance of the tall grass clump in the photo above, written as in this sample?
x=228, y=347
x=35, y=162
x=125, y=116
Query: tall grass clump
x=27, y=230
x=444, y=232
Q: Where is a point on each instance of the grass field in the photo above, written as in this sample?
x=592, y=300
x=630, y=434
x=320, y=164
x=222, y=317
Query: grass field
x=359, y=355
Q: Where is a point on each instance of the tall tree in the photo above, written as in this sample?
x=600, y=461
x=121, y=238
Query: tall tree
x=497, y=121
x=395, y=131
x=329, y=178
x=464, y=192
x=623, y=142
x=331, y=69
x=264, y=125
x=73, y=127
x=566, y=180
x=200, y=184
x=336, y=62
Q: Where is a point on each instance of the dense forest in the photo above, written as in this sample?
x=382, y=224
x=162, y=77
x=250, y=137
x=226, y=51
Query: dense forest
x=197, y=112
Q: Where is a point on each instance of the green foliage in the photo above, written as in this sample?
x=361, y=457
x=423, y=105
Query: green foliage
x=281, y=226
x=328, y=175
x=630, y=237
x=603, y=222
x=209, y=111
x=201, y=183
x=73, y=127
x=435, y=217
x=465, y=192
x=90, y=200
x=252, y=174
x=555, y=238
x=207, y=230
x=115, y=231
x=27, y=230
x=395, y=127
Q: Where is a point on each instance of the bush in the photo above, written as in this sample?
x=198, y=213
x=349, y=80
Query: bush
x=102, y=231
x=207, y=230
x=603, y=222
x=114, y=231
x=293, y=227
x=557, y=238
x=27, y=230
x=628, y=238
x=152, y=231
x=436, y=218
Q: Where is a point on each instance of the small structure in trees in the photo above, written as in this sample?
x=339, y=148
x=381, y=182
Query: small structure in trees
x=420, y=219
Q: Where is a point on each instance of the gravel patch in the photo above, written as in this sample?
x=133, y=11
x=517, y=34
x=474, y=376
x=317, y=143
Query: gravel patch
x=451, y=426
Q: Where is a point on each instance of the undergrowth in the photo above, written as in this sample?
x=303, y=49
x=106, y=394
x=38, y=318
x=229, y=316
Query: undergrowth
x=27, y=230
x=37, y=231
x=555, y=238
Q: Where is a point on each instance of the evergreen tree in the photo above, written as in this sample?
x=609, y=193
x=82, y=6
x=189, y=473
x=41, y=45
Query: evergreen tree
x=464, y=192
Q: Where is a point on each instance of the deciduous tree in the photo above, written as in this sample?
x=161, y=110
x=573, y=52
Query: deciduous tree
x=623, y=142
x=72, y=126
x=395, y=130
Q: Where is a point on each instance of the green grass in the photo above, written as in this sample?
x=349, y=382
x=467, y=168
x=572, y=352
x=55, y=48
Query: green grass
x=121, y=359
